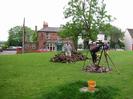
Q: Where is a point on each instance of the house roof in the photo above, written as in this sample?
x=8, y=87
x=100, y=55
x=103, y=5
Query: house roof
x=49, y=29
x=130, y=32
x=101, y=33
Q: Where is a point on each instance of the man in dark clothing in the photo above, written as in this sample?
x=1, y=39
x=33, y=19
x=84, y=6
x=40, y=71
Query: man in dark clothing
x=93, y=49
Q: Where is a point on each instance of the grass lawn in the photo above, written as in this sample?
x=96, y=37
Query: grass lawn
x=33, y=76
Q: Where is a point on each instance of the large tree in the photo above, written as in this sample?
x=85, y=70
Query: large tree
x=89, y=16
x=16, y=33
x=71, y=30
x=116, y=37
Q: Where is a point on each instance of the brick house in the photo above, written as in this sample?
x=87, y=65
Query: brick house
x=48, y=38
x=30, y=46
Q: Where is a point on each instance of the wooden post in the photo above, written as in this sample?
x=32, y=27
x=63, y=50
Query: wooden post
x=23, y=40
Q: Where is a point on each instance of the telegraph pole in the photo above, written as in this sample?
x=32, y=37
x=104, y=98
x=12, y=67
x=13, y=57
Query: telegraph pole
x=23, y=38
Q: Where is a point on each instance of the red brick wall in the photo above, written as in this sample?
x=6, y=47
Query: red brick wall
x=29, y=46
x=42, y=39
x=53, y=36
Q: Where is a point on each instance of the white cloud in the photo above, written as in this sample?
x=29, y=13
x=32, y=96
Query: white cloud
x=34, y=11
x=122, y=11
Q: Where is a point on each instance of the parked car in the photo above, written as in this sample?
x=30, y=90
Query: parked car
x=1, y=50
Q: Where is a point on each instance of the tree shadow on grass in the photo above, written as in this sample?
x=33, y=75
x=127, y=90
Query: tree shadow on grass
x=71, y=91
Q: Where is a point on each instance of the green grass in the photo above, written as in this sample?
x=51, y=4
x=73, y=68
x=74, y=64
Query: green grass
x=32, y=76
x=71, y=91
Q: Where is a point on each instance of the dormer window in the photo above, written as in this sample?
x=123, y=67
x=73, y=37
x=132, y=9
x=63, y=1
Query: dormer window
x=47, y=35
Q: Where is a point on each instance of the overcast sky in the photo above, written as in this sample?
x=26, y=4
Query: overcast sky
x=37, y=11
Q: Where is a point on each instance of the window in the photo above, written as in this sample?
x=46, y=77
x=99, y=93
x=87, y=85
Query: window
x=33, y=46
x=105, y=37
x=50, y=46
x=47, y=35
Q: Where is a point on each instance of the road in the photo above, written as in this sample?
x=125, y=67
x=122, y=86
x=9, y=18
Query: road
x=7, y=52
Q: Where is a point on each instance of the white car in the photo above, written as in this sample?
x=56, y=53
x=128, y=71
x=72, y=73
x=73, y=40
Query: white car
x=1, y=50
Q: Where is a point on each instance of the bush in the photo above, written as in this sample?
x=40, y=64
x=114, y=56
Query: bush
x=4, y=47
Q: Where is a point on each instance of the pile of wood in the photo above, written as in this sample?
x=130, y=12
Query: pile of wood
x=61, y=57
x=97, y=69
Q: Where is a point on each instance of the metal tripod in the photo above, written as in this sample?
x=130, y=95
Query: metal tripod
x=107, y=58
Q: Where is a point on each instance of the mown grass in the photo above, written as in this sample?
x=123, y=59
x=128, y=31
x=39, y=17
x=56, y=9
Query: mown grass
x=33, y=76
x=72, y=91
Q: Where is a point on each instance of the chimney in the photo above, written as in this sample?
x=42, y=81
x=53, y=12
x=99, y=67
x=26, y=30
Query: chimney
x=35, y=28
x=45, y=24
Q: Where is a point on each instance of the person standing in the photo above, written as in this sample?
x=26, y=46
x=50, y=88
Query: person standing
x=68, y=49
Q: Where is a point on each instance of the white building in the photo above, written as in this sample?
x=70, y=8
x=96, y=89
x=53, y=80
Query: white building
x=100, y=36
x=128, y=39
x=103, y=38
x=80, y=43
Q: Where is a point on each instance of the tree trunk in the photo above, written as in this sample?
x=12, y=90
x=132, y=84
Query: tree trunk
x=75, y=41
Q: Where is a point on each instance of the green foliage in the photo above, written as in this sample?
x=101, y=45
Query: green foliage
x=71, y=91
x=117, y=45
x=121, y=44
x=89, y=15
x=34, y=37
x=5, y=46
x=116, y=36
x=16, y=35
x=71, y=30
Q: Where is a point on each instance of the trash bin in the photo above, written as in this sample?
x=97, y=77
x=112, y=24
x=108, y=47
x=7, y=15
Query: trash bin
x=19, y=50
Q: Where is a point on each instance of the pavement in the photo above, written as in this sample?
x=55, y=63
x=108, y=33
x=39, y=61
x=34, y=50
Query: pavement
x=8, y=53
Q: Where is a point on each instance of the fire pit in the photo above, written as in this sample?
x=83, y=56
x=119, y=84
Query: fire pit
x=97, y=69
x=61, y=57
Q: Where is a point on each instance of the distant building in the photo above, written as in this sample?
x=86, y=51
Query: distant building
x=128, y=39
x=48, y=38
x=102, y=37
